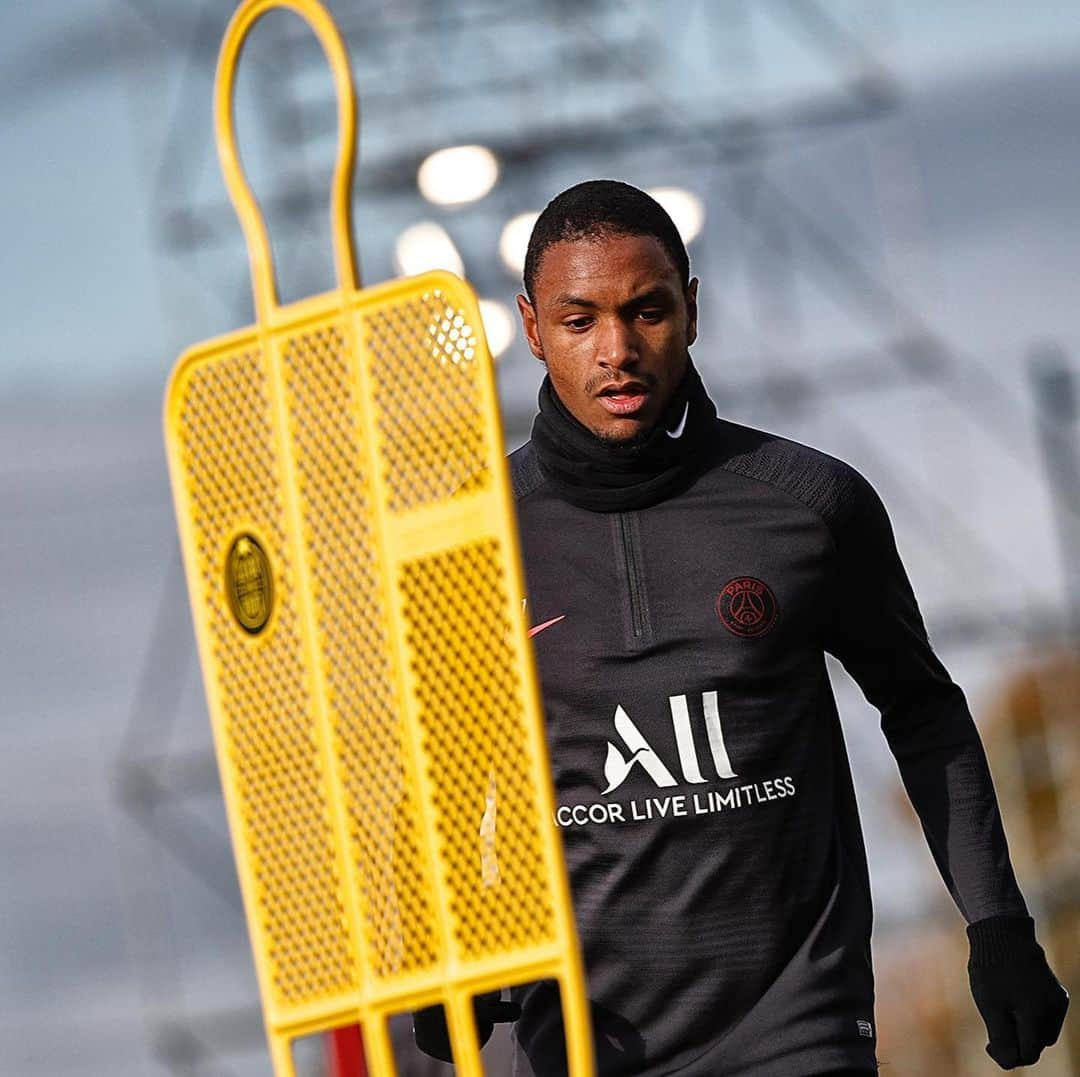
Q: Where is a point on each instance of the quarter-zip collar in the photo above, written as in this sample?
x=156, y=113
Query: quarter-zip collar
x=611, y=476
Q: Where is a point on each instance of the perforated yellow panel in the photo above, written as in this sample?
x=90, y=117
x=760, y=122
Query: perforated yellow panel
x=228, y=452
x=349, y=539
x=433, y=443
x=336, y=502
x=467, y=671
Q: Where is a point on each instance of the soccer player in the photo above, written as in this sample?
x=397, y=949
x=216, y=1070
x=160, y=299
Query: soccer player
x=686, y=576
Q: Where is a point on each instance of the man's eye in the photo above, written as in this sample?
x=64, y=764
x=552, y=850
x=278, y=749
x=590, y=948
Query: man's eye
x=651, y=314
x=582, y=322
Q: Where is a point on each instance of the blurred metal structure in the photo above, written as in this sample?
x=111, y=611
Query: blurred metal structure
x=1058, y=416
x=560, y=92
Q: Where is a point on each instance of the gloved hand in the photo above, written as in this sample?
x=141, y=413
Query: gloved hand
x=433, y=1037
x=1021, y=1001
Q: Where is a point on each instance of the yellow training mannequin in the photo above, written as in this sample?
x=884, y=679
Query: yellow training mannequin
x=352, y=561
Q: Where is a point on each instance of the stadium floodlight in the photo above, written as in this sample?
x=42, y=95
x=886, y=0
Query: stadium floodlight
x=498, y=325
x=425, y=246
x=685, y=209
x=514, y=240
x=457, y=174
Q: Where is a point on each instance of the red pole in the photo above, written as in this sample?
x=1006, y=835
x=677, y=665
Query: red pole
x=345, y=1052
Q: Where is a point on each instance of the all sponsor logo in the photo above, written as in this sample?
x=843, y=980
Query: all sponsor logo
x=637, y=751
x=631, y=750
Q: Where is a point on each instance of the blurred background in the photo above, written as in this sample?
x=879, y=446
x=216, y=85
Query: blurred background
x=882, y=201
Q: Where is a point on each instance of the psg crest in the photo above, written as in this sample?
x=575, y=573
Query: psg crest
x=747, y=606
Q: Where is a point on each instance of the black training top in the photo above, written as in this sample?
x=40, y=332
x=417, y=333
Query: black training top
x=704, y=793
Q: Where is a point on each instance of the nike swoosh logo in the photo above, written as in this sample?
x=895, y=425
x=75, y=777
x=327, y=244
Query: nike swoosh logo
x=677, y=432
x=547, y=624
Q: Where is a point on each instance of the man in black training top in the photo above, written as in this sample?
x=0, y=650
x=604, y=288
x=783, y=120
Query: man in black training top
x=685, y=577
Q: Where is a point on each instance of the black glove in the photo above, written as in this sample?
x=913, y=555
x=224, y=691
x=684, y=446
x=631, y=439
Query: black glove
x=1021, y=1001
x=433, y=1037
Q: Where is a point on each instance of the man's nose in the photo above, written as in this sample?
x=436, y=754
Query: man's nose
x=617, y=343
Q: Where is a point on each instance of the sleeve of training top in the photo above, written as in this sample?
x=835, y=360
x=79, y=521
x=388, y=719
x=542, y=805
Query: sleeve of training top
x=877, y=632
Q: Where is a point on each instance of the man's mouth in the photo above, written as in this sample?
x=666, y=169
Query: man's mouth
x=624, y=399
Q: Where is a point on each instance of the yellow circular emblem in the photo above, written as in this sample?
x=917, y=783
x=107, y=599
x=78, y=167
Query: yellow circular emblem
x=249, y=584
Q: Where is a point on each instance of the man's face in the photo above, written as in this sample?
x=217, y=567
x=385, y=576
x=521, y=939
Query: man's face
x=610, y=313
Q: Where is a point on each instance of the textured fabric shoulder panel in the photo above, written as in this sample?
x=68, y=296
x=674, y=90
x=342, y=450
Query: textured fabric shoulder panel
x=525, y=472
x=827, y=485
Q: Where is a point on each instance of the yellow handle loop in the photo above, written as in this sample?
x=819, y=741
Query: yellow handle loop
x=247, y=209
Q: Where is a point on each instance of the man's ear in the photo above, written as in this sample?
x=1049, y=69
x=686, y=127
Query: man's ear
x=691, y=311
x=528, y=323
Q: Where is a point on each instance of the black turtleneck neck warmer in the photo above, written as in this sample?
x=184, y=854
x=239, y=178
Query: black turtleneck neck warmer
x=619, y=476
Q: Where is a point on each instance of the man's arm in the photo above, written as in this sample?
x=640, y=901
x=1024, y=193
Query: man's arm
x=876, y=631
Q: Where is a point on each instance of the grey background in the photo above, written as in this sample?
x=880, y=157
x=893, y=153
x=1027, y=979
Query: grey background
x=961, y=200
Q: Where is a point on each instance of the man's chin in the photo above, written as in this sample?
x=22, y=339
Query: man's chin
x=624, y=430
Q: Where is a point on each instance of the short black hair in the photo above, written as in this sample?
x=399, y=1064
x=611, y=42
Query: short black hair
x=598, y=208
